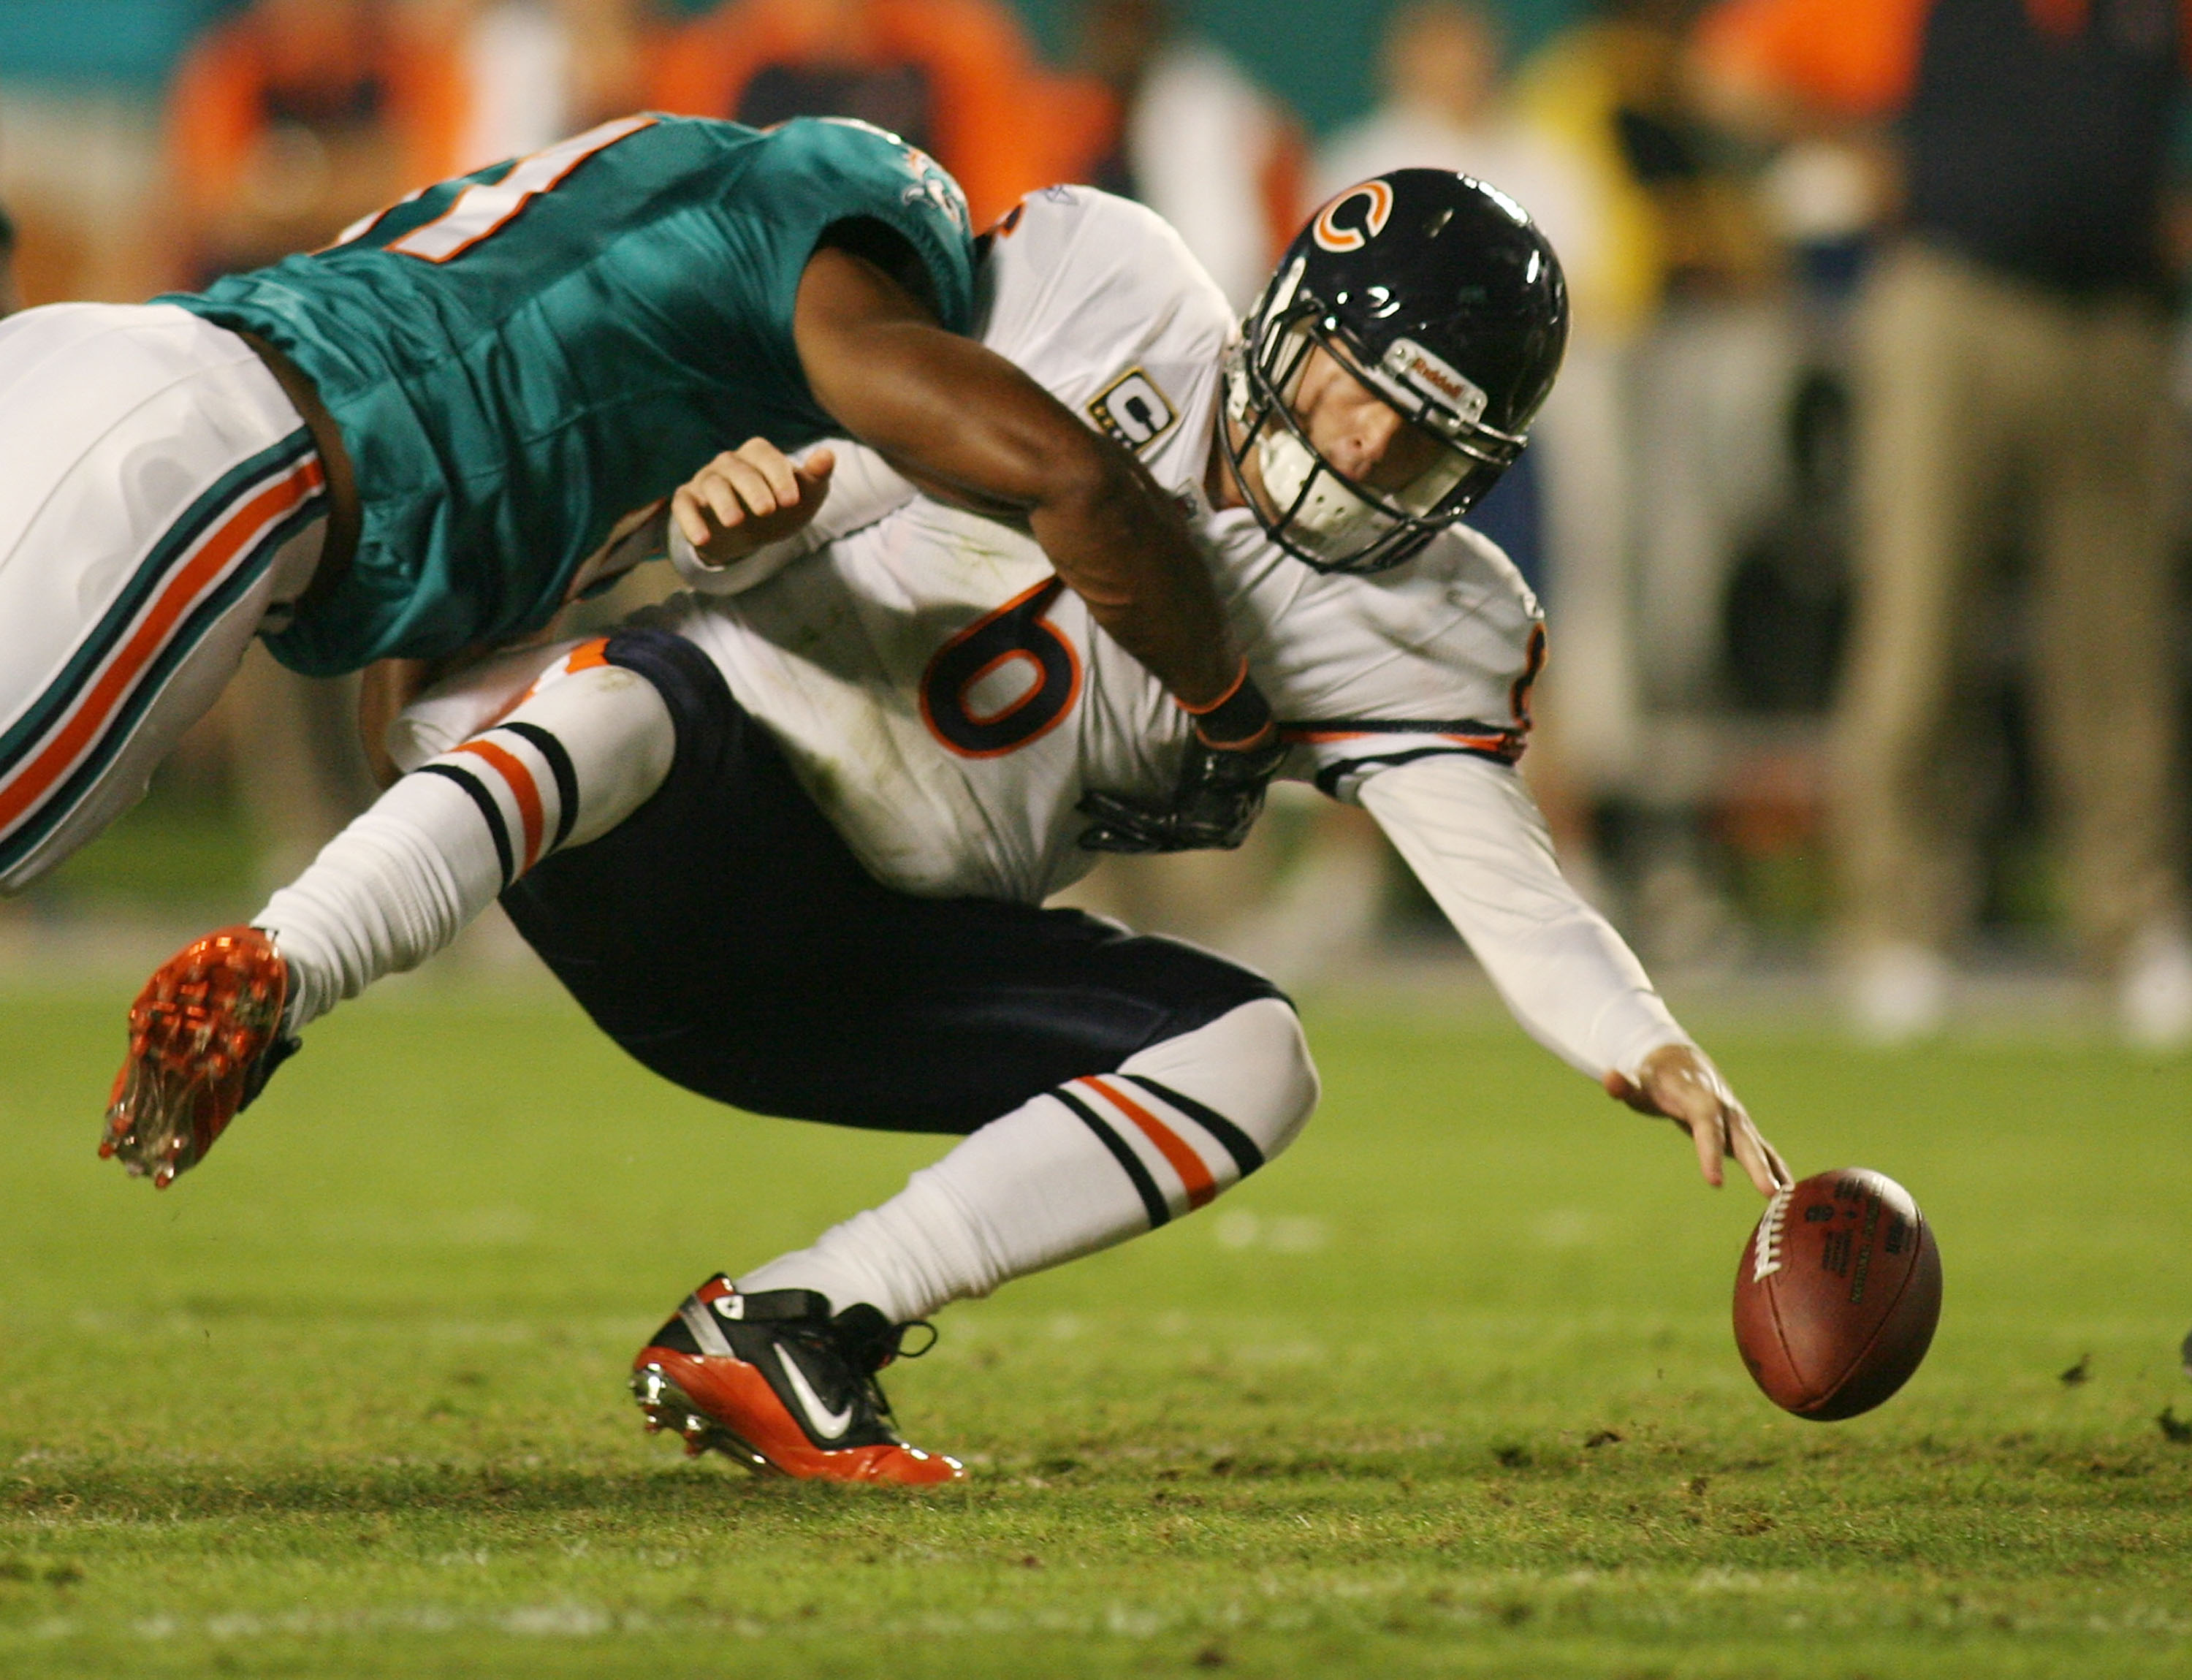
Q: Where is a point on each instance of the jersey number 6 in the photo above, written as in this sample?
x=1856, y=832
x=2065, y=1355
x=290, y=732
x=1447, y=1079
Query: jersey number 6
x=1004, y=681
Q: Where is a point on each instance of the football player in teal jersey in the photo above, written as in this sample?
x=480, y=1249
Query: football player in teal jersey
x=423, y=437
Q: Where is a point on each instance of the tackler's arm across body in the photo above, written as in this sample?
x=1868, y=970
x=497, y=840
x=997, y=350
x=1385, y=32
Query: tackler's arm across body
x=963, y=423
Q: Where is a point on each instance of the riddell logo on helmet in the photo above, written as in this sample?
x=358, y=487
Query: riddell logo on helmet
x=1410, y=364
x=1375, y=198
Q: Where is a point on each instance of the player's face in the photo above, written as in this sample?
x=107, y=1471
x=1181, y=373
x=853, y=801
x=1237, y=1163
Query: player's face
x=1355, y=429
x=1362, y=434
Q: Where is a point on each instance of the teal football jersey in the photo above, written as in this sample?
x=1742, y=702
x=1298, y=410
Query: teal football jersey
x=518, y=357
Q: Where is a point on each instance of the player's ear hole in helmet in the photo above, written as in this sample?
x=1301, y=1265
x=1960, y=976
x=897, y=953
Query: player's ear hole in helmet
x=1439, y=297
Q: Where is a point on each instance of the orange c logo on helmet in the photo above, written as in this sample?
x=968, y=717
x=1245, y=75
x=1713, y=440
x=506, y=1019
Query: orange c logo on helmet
x=1376, y=198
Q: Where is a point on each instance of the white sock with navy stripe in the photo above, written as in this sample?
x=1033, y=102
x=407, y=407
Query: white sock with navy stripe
x=565, y=767
x=1079, y=1168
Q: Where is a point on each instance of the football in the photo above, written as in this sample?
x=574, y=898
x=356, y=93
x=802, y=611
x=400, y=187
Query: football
x=1837, y=1294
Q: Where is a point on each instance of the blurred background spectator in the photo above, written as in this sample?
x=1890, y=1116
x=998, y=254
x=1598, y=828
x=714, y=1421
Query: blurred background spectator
x=11, y=297
x=2014, y=406
x=956, y=78
x=1718, y=186
x=528, y=72
x=1663, y=456
x=291, y=117
x=1197, y=140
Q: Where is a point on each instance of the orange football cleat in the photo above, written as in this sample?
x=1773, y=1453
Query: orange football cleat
x=205, y=1035
x=777, y=1383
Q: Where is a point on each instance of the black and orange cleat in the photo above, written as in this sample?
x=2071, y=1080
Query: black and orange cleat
x=777, y=1383
x=205, y=1036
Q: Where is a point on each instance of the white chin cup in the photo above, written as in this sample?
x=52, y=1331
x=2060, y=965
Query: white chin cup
x=1332, y=511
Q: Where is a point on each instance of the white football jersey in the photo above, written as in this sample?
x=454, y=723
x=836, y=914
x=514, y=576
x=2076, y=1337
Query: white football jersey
x=945, y=700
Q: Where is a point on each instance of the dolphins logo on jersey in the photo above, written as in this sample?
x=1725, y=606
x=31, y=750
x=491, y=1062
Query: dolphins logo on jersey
x=1133, y=410
x=1355, y=218
x=932, y=181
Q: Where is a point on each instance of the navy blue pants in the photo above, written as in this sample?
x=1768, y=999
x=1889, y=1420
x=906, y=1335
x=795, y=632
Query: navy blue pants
x=726, y=937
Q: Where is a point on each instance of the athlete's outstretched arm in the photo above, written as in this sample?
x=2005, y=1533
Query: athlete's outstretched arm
x=1474, y=836
x=960, y=420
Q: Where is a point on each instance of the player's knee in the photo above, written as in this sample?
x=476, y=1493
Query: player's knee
x=615, y=736
x=1248, y=1078
x=1287, y=1079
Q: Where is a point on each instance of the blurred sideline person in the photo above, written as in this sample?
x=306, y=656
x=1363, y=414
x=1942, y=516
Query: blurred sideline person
x=1444, y=106
x=1197, y=141
x=1662, y=444
x=955, y=78
x=788, y=839
x=422, y=438
x=527, y=72
x=11, y=298
x=2015, y=354
x=290, y=118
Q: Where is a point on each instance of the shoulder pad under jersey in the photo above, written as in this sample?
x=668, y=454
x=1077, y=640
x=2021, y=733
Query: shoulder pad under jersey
x=1075, y=277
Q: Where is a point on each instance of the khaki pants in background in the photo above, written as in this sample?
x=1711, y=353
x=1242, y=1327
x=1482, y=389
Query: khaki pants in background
x=1985, y=399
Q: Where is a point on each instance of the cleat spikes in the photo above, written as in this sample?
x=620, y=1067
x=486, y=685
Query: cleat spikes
x=203, y=1034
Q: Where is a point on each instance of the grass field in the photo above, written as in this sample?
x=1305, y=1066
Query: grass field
x=1448, y=1390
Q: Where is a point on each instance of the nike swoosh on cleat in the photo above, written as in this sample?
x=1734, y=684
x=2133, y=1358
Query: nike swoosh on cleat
x=823, y=1423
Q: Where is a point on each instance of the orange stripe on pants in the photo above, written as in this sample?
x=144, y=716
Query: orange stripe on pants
x=105, y=697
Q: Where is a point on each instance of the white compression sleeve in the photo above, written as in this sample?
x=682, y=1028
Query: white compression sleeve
x=1052, y=1181
x=1475, y=837
x=401, y=881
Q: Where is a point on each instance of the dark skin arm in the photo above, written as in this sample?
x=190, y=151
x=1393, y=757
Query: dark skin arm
x=960, y=421
x=964, y=424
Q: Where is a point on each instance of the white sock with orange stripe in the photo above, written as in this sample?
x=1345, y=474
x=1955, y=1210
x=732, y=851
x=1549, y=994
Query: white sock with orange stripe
x=565, y=767
x=1076, y=1170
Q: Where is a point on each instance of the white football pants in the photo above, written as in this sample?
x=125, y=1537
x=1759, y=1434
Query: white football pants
x=160, y=501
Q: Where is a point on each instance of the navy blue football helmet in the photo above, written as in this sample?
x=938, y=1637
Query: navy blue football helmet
x=1441, y=295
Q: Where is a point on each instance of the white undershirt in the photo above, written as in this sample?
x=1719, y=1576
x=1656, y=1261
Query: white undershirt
x=1476, y=840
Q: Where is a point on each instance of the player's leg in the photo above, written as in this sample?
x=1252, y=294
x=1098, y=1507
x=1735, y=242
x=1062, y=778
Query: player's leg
x=160, y=504
x=1931, y=445
x=726, y=937
x=1128, y=1145
x=575, y=758
x=2105, y=661
x=778, y=1367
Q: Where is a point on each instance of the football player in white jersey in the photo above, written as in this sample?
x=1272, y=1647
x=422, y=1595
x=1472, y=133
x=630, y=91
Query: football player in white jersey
x=787, y=838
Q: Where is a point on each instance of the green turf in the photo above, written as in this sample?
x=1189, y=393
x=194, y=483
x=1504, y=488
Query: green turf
x=348, y=1400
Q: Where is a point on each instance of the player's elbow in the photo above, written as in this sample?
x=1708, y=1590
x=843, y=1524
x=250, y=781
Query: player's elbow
x=1071, y=470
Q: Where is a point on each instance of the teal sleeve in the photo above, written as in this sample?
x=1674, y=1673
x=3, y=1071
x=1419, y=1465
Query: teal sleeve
x=860, y=172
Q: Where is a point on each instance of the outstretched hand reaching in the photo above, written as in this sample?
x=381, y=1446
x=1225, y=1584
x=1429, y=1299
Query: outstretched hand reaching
x=1679, y=1083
